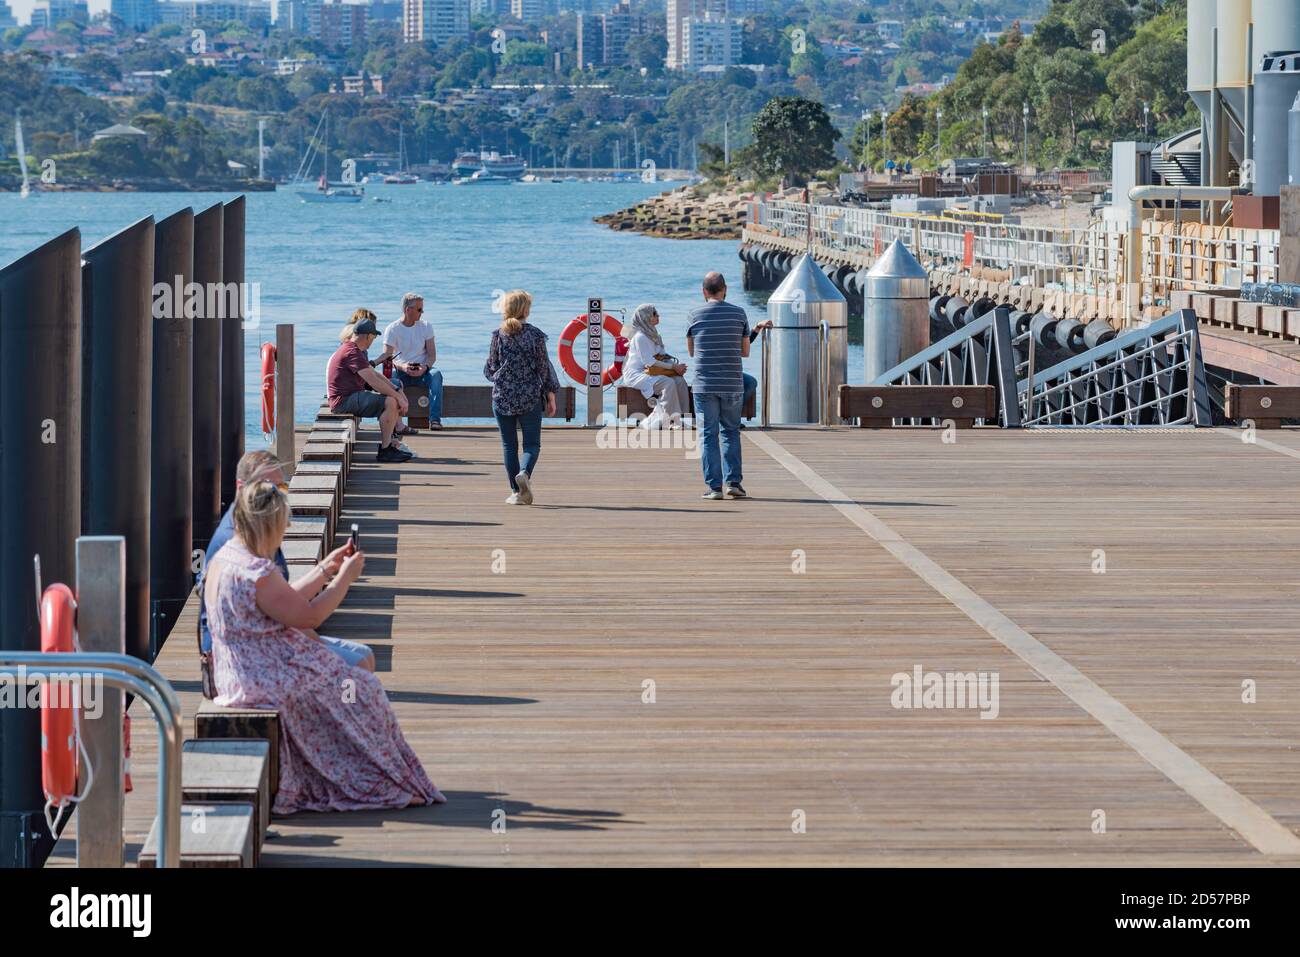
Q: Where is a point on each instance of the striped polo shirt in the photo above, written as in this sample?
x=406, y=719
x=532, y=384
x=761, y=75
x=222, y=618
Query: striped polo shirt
x=717, y=328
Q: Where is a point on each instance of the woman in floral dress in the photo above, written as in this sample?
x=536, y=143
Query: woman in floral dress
x=340, y=746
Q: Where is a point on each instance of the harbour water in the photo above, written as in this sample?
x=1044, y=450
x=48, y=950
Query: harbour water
x=315, y=264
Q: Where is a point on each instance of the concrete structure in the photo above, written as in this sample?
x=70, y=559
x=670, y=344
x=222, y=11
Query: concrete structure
x=435, y=21
x=50, y=13
x=603, y=37
x=136, y=14
x=253, y=13
x=7, y=18
x=711, y=41
x=338, y=24
x=679, y=11
x=528, y=11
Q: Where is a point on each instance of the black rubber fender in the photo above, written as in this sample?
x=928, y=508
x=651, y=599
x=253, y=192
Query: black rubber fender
x=1097, y=332
x=1043, y=328
x=956, y=310
x=1069, y=335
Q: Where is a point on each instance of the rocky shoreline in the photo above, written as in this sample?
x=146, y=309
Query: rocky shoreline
x=685, y=213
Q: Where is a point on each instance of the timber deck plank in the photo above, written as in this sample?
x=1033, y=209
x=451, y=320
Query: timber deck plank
x=522, y=689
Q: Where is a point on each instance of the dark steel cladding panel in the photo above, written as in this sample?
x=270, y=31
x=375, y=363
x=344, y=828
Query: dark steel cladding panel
x=171, y=463
x=232, y=353
x=208, y=228
x=117, y=380
x=40, y=496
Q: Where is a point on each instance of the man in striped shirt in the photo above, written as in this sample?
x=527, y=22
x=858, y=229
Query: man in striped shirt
x=717, y=337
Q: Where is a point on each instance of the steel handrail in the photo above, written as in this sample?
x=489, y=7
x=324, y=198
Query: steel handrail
x=765, y=369
x=134, y=676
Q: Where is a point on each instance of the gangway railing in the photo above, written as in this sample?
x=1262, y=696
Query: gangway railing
x=979, y=353
x=1152, y=376
x=137, y=678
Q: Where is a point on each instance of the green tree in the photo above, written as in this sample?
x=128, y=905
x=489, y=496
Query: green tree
x=793, y=138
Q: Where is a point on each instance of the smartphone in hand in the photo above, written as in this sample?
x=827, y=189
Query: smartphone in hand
x=354, y=543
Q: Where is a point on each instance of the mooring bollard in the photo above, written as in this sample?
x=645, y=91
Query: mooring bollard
x=895, y=310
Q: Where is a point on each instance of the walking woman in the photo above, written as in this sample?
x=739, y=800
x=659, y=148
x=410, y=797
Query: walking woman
x=524, y=385
x=652, y=371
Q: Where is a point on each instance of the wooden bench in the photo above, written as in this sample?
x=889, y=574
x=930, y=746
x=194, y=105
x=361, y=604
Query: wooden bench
x=632, y=402
x=1265, y=405
x=303, y=551
x=475, y=402
x=340, y=452
x=877, y=406
x=321, y=504
x=214, y=721
x=319, y=485
x=213, y=834
x=305, y=527
x=325, y=468
x=417, y=401
x=230, y=770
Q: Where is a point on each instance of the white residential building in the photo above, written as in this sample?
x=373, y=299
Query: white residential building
x=435, y=21
x=711, y=41
x=679, y=11
x=528, y=11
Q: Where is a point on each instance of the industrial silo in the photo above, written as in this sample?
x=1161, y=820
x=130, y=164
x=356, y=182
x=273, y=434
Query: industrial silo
x=797, y=308
x=1277, y=83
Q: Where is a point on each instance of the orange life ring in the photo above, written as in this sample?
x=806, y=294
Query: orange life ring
x=575, y=370
x=268, y=388
x=58, y=720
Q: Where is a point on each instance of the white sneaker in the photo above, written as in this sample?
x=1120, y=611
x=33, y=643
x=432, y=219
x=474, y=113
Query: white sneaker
x=513, y=499
x=525, y=488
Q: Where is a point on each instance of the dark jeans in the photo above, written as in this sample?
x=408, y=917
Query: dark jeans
x=530, y=423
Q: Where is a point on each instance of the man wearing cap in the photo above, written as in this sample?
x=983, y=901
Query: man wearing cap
x=346, y=379
x=409, y=342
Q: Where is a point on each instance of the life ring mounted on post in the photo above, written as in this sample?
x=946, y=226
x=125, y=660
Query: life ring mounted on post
x=268, y=388
x=575, y=369
x=59, y=733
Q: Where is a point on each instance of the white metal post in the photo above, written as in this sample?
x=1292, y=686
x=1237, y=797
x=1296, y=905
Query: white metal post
x=101, y=627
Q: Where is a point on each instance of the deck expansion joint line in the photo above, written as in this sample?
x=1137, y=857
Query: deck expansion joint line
x=1271, y=446
x=1231, y=807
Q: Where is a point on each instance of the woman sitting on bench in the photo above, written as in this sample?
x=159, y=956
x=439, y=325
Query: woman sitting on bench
x=341, y=748
x=651, y=370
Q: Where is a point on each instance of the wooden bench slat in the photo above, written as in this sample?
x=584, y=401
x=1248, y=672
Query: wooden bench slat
x=224, y=838
x=214, y=721
x=876, y=406
x=230, y=769
x=1265, y=405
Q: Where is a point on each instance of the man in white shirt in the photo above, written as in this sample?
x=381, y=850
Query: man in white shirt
x=409, y=342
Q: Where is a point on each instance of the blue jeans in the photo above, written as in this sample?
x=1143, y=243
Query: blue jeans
x=530, y=423
x=715, y=409
x=431, y=380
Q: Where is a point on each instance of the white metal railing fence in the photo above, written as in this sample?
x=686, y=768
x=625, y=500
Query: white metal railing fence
x=1090, y=260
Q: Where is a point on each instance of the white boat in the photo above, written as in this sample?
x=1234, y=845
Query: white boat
x=508, y=165
x=403, y=177
x=482, y=178
x=325, y=191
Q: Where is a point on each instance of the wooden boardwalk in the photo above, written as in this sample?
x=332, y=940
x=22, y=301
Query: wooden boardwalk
x=517, y=644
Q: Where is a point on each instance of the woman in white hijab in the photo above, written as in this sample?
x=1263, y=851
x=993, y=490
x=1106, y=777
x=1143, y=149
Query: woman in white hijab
x=650, y=369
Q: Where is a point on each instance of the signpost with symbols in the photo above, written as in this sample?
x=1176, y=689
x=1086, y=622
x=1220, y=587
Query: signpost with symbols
x=595, y=360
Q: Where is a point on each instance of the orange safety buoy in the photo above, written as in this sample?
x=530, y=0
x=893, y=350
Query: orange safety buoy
x=575, y=370
x=268, y=388
x=58, y=714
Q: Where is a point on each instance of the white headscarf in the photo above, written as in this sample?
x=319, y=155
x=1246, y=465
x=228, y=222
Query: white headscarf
x=641, y=323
